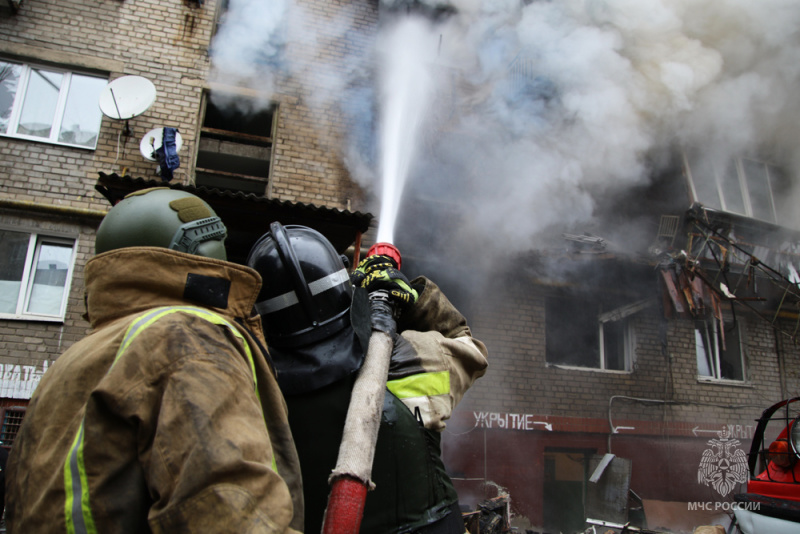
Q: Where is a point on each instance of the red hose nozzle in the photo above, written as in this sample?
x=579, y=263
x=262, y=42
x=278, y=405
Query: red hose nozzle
x=385, y=249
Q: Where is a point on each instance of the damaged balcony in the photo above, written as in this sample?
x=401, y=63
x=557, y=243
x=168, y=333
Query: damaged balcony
x=729, y=260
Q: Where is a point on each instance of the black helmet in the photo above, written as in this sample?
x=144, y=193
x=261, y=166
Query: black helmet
x=163, y=217
x=306, y=292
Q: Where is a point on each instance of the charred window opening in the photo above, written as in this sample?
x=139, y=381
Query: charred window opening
x=719, y=351
x=587, y=332
x=235, y=145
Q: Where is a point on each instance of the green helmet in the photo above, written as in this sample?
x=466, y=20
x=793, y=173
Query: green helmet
x=163, y=217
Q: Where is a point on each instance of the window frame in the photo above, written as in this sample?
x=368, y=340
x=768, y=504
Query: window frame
x=36, y=240
x=622, y=315
x=744, y=189
x=711, y=326
x=21, y=96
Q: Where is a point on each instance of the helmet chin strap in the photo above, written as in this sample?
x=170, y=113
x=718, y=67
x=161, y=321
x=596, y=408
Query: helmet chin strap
x=190, y=235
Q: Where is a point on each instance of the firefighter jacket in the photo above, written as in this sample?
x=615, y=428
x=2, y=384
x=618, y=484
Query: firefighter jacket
x=435, y=360
x=166, y=418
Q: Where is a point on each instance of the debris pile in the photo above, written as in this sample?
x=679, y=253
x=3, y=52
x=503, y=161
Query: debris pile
x=491, y=516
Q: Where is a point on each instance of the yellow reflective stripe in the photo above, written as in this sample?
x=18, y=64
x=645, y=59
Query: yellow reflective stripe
x=77, y=510
x=421, y=385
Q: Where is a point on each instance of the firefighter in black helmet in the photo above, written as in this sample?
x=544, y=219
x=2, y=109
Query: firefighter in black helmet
x=317, y=327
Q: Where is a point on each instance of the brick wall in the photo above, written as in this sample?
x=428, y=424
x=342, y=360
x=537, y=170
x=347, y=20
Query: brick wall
x=308, y=161
x=519, y=381
x=167, y=43
x=163, y=41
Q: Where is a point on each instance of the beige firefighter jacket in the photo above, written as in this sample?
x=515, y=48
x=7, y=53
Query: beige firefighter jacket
x=436, y=359
x=161, y=420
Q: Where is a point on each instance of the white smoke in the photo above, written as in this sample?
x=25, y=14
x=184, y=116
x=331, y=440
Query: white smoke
x=545, y=109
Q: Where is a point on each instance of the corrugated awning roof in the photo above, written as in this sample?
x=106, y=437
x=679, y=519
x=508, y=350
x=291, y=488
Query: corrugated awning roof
x=248, y=216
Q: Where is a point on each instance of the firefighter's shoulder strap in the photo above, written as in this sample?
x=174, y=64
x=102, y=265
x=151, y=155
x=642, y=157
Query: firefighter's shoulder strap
x=77, y=509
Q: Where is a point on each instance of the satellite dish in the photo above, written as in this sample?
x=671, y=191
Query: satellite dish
x=127, y=97
x=153, y=140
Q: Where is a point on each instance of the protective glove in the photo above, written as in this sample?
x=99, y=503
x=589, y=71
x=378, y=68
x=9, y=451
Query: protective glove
x=369, y=265
x=380, y=272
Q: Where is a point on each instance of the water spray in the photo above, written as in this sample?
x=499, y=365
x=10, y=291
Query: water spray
x=406, y=87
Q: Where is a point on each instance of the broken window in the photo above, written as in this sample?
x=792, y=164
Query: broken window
x=579, y=333
x=743, y=186
x=235, y=145
x=719, y=352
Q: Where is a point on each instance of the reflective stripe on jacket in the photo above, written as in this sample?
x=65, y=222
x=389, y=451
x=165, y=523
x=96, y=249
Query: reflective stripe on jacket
x=435, y=358
x=162, y=410
x=77, y=508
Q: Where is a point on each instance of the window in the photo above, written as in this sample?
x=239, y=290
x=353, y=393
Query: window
x=12, y=417
x=235, y=146
x=35, y=274
x=579, y=334
x=743, y=186
x=719, y=357
x=46, y=104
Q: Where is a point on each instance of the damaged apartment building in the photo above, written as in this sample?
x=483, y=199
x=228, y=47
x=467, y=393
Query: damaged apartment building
x=652, y=339
x=652, y=354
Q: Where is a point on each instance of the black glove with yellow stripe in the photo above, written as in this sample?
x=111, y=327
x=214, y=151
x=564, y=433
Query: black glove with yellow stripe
x=380, y=272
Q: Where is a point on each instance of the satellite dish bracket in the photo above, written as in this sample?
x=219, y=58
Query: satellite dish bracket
x=127, y=130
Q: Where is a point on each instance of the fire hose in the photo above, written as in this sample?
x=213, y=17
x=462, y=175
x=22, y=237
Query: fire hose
x=351, y=477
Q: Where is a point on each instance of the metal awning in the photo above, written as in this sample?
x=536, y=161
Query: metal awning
x=248, y=216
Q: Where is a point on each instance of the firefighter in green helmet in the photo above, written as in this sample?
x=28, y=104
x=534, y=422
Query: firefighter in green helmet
x=317, y=324
x=167, y=417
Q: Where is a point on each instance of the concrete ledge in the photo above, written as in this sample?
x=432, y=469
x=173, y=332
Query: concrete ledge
x=61, y=58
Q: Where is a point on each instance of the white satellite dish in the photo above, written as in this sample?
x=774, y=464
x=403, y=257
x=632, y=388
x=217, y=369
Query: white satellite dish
x=127, y=97
x=153, y=140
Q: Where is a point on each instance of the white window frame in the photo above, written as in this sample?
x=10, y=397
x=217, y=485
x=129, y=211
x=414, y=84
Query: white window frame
x=627, y=347
x=60, y=109
x=35, y=242
x=743, y=189
x=623, y=313
x=714, y=361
